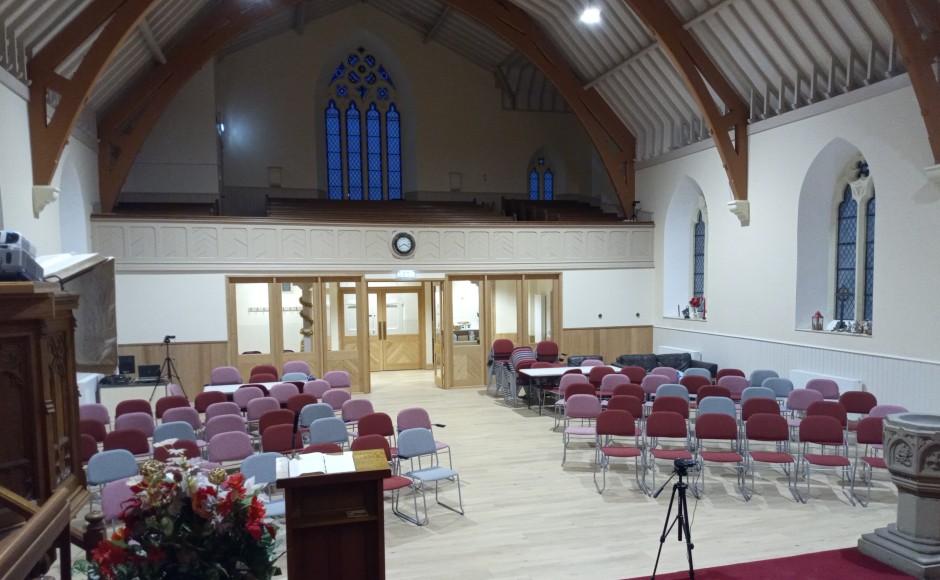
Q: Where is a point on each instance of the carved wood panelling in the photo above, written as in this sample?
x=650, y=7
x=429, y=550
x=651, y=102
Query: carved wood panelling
x=230, y=245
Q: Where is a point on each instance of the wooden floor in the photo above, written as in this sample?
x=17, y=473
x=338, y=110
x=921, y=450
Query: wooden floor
x=527, y=517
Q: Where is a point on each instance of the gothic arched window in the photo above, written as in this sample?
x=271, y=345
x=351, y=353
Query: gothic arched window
x=363, y=131
x=541, y=181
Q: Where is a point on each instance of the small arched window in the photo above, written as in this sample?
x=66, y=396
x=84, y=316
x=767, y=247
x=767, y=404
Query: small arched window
x=541, y=181
x=698, y=257
x=853, y=287
x=363, y=131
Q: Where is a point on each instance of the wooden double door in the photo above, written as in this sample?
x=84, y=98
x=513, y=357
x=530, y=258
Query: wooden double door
x=396, y=328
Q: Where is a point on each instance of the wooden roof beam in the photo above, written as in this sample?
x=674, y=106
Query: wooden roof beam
x=919, y=51
x=48, y=135
x=125, y=129
x=700, y=73
x=615, y=144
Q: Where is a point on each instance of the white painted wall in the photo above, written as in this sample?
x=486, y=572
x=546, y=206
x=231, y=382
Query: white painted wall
x=16, y=179
x=272, y=97
x=181, y=153
x=188, y=305
x=752, y=271
x=617, y=295
x=77, y=180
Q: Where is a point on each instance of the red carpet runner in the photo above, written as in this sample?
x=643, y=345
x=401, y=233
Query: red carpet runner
x=847, y=563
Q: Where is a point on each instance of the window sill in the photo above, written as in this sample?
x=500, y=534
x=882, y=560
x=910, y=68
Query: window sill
x=686, y=319
x=833, y=332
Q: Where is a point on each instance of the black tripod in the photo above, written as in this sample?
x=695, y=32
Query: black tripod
x=167, y=370
x=682, y=514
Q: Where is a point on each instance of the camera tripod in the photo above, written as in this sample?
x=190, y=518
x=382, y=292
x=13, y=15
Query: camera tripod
x=167, y=370
x=682, y=518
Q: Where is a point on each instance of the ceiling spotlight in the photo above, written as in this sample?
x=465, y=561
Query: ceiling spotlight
x=591, y=15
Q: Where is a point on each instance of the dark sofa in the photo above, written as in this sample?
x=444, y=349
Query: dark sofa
x=678, y=360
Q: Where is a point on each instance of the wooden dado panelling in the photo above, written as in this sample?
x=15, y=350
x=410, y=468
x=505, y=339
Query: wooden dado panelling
x=194, y=361
x=610, y=342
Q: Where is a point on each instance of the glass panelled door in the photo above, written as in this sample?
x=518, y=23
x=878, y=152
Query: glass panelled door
x=344, y=340
x=540, y=309
x=252, y=345
x=437, y=332
x=299, y=299
x=467, y=354
x=396, y=336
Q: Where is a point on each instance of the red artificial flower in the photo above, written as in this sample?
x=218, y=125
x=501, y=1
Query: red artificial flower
x=254, y=530
x=695, y=302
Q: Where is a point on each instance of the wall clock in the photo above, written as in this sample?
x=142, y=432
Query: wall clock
x=403, y=245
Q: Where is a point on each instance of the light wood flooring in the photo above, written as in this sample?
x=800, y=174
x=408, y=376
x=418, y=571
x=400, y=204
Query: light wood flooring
x=529, y=518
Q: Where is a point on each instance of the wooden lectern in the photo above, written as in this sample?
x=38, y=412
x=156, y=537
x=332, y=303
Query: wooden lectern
x=335, y=522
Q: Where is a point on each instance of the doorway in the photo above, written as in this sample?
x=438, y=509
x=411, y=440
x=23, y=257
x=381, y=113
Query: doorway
x=396, y=326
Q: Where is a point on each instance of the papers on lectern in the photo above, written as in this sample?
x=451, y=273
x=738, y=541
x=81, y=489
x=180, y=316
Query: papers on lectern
x=318, y=463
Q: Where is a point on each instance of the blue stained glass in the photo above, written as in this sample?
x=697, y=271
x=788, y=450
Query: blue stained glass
x=393, y=140
x=869, y=257
x=342, y=90
x=339, y=73
x=374, y=152
x=352, y=59
x=382, y=93
x=698, y=260
x=354, y=151
x=334, y=153
x=533, y=184
x=363, y=91
x=845, y=254
x=548, y=185
x=383, y=74
x=353, y=77
x=370, y=78
x=370, y=60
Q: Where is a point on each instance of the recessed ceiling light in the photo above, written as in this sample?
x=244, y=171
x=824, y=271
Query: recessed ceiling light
x=591, y=15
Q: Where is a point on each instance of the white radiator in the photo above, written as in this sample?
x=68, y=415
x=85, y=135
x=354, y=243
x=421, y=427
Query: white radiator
x=696, y=355
x=800, y=378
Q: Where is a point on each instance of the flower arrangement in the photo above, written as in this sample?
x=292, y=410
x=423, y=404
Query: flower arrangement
x=182, y=523
x=696, y=301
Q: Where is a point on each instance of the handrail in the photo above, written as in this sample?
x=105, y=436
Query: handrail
x=47, y=527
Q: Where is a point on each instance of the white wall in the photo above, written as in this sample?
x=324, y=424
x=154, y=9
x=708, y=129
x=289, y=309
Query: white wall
x=181, y=154
x=16, y=179
x=189, y=305
x=617, y=295
x=77, y=180
x=752, y=271
x=272, y=96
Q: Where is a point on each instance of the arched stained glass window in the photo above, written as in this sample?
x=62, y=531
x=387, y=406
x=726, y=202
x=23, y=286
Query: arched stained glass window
x=698, y=258
x=541, y=181
x=334, y=152
x=363, y=150
x=847, y=231
x=393, y=127
x=354, y=150
x=374, y=152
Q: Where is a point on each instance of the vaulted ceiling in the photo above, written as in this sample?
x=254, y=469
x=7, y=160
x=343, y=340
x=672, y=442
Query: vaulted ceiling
x=778, y=56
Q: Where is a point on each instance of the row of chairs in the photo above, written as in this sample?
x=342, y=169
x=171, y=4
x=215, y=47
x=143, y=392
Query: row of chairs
x=268, y=373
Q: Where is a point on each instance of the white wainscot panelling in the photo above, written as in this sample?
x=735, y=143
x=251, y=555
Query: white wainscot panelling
x=234, y=245
x=894, y=380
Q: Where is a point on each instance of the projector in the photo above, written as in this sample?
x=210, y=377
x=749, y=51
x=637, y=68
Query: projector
x=18, y=258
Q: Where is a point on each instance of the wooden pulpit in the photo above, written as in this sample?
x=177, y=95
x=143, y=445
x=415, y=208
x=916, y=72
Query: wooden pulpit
x=335, y=522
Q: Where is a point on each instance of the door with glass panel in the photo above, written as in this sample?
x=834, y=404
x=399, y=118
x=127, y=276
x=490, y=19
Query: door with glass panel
x=250, y=304
x=464, y=350
x=437, y=332
x=396, y=329
x=346, y=329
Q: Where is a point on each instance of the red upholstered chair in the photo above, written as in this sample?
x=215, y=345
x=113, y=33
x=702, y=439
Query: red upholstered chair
x=716, y=437
x=164, y=403
x=858, y=403
x=378, y=424
x=828, y=388
x=137, y=420
x=266, y=369
x=735, y=385
x=262, y=378
x=767, y=441
x=729, y=373
x=95, y=411
x=660, y=427
x=394, y=483
x=631, y=389
x=830, y=408
x=616, y=438
x=133, y=406
x=712, y=391
x=322, y=448
x=283, y=391
x=694, y=382
x=584, y=408
x=88, y=447
x=278, y=417
x=132, y=440
x=259, y=406
x=281, y=438
x=755, y=406
x=652, y=382
x=93, y=428
x=670, y=372
x=626, y=403
x=502, y=349
x=673, y=404
x=206, y=398
x=634, y=373
x=190, y=449
x=546, y=351
x=822, y=441
x=870, y=435
x=597, y=374
x=297, y=402
x=610, y=382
